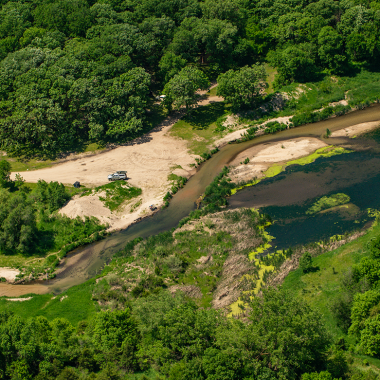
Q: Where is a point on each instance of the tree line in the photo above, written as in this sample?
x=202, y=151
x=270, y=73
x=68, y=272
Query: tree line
x=74, y=71
x=282, y=339
x=29, y=222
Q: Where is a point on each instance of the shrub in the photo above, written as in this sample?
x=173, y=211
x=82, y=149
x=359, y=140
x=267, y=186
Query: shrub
x=306, y=262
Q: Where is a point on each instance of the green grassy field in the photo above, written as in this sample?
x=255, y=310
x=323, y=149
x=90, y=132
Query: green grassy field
x=75, y=304
x=321, y=287
x=271, y=72
x=212, y=91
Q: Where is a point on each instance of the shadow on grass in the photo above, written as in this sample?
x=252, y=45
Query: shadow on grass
x=312, y=269
x=203, y=117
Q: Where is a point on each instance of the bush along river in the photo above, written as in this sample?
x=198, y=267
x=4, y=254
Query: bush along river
x=292, y=199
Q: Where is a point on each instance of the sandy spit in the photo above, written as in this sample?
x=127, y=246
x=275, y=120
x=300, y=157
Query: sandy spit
x=356, y=130
x=262, y=156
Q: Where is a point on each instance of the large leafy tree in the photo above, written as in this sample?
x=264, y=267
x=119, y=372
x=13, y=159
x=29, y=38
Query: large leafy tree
x=330, y=49
x=284, y=339
x=5, y=171
x=17, y=222
x=181, y=89
x=244, y=87
x=294, y=63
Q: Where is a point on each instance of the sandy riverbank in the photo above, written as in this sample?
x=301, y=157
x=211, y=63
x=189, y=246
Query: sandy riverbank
x=9, y=273
x=262, y=156
x=148, y=161
x=356, y=130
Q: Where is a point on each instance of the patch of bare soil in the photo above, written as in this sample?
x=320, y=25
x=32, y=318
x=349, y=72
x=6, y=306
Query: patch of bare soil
x=189, y=290
x=9, y=274
x=262, y=156
x=241, y=230
x=148, y=162
x=230, y=287
x=356, y=130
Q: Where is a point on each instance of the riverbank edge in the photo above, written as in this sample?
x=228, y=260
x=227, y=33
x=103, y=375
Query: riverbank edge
x=160, y=206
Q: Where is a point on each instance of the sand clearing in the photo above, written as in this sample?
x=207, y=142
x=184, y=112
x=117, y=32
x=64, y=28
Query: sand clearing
x=356, y=130
x=9, y=274
x=148, y=161
x=262, y=156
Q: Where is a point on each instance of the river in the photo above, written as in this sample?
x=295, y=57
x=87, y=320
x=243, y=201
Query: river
x=85, y=262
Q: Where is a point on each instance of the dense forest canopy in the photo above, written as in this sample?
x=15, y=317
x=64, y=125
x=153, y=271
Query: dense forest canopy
x=76, y=70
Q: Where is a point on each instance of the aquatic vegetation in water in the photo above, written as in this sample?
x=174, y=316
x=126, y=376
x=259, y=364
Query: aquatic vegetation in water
x=273, y=171
x=327, y=202
x=328, y=151
x=276, y=169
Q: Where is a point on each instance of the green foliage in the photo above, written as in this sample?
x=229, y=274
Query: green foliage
x=17, y=222
x=53, y=195
x=361, y=309
x=324, y=375
x=181, y=89
x=274, y=126
x=242, y=88
x=116, y=193
x=330, y=49
x=312, y=117
x=51, y=349
x=327, y=202
x=370, y=336
x=76, y=72
x=216, y=194
x=171, y=65
x=30, y=226
x=306, y=262
x=294, y=63
x=5, y=171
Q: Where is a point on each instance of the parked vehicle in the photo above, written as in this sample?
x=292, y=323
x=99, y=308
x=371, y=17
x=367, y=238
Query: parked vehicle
x=120, y=174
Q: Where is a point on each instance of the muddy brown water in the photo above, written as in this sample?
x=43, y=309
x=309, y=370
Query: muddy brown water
x=85, y=262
